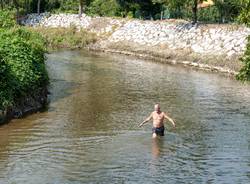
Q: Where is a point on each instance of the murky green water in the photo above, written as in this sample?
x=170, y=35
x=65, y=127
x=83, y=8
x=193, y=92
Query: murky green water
x=89, y=133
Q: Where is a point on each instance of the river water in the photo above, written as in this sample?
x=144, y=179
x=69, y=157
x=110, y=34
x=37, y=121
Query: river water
x=90, y=133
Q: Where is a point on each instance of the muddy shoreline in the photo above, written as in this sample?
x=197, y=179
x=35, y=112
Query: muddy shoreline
x=35, y=102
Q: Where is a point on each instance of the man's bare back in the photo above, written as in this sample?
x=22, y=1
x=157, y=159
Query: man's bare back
x=158, y=118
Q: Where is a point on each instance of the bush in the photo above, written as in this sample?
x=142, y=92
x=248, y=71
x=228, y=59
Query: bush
x=104, y=8
x=6, y=81
x=244, y=17
x=69, y=6
x=7, y=19
x=209, y=14
x=244, y=74
x=22, y=64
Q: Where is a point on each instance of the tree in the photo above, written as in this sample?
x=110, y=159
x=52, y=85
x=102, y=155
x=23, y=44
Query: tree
x=80, y=7
x=244, y=16
x=104, y=8
x=228, y=9
x=17, y=9
x=194, y=6
x=38, y=6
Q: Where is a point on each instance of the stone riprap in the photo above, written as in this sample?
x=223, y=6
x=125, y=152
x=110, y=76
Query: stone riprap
x=229, y=40
x=97, y=24
x=57, y=20
x=183, y=36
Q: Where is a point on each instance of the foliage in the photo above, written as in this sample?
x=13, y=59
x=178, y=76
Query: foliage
x=228, y=10
x=69, y=6
x=244, y=74
x=22, y=64
x=244, y=16
x=210, y=14
x=6, y=81
x=65, y=37
x=222, y=11
x=7, y=19
x=104, y=8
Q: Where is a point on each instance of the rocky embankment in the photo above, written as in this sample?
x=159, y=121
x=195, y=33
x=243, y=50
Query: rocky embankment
x=212, y=47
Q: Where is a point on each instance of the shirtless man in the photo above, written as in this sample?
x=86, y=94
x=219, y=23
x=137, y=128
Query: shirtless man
x=158, y=117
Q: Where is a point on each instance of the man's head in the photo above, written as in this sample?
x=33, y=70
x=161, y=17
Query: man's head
x=157, y=108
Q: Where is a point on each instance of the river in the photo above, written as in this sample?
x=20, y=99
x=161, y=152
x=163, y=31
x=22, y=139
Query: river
x=90, y=133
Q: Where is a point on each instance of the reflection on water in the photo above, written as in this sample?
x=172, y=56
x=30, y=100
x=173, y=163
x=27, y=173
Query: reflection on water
x=90, y=132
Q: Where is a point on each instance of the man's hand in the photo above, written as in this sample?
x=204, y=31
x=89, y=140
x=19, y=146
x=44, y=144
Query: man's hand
x=146, y=120
x=170, y=119
x=174, y=124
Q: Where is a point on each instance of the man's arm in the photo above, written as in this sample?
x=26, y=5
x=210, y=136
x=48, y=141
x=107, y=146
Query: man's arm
x=169, y=119
x=146, y=120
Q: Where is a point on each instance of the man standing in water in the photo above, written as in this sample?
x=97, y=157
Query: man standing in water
x=158, y=117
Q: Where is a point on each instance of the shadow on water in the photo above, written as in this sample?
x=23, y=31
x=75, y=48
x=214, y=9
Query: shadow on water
x=59, y=89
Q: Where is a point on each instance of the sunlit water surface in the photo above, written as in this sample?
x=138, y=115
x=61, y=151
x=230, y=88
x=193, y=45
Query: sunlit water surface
x=90, y=134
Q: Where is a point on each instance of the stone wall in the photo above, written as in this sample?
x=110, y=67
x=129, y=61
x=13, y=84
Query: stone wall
x=207, y=40
x=214, y=40
x=224, y=40
x=97, y=24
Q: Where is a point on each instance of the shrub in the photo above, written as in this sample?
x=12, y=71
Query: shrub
x=6, y=81
x=104, y=8
x=210, y=14
x=7, y=19
x=22, y=64
x=244, y=74
x=244, y=16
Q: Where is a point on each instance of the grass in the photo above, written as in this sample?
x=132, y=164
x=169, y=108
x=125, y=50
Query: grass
x=69, y=38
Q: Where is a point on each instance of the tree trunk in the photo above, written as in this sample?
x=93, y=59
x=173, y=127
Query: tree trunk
x=162, y=12
x=26, y=6
x=178, y=10
x=195, y=10
x=2, y=4
x=80, y=8
x=38, y=6
x=17, y=10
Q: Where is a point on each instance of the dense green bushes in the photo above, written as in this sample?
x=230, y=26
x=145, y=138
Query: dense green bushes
x=6, y=81
x=244, y=74
x=228, y=10
x=104, y=8
x=7, y=19
x=22, y=67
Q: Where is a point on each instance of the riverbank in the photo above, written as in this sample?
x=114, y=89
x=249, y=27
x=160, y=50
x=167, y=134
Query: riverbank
x=24, y=77
x=65, y=38
x=206, y=46
x=31, y=103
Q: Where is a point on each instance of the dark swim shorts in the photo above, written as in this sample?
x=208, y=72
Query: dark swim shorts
x=159, y=131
